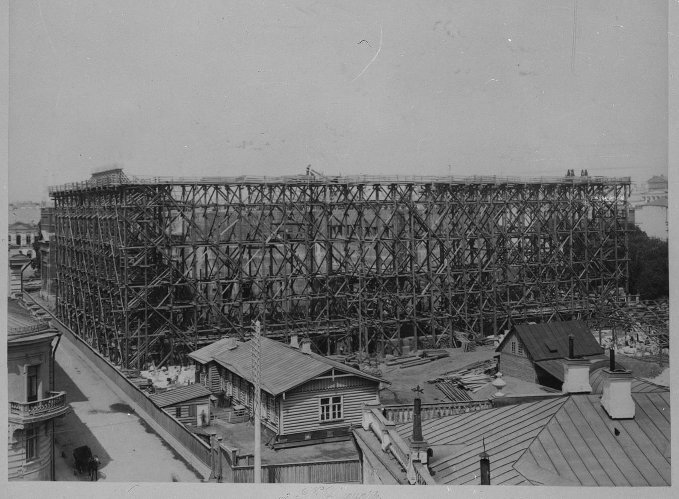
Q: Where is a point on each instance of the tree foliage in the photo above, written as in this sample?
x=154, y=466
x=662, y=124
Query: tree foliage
x=649, y=274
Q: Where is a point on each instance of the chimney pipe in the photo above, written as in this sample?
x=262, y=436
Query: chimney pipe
x=417, y=420
x=306, y=346
x=294, y=342
x=485, y=468
x=571, y=347
x=612, y=359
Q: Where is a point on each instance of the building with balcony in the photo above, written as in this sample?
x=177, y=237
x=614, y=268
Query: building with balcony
x=34, y=401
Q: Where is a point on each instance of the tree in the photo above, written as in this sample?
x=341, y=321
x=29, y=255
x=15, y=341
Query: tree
x=648, y=265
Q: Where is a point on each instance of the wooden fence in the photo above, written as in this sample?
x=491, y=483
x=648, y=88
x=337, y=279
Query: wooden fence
x=345, y=471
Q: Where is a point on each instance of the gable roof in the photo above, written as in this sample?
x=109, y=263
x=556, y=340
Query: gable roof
x=283, y=367
x=22, y=226
x=580, y=445
x=567, y=440
x=507, y=432
x=180, y=394
x=549, y=340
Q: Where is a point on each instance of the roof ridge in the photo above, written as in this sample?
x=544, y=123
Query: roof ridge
x=537, y=435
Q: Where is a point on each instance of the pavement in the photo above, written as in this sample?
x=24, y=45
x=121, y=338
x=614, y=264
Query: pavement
x=128, y=449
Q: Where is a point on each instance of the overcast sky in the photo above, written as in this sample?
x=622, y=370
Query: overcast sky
x=208, y=88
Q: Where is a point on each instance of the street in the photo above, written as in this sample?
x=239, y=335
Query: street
x=128, y=450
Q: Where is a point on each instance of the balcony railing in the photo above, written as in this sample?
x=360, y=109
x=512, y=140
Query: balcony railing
x=26, y=412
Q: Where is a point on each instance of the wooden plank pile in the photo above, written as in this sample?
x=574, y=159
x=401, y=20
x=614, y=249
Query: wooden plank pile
x=456, y=385
x=453, y=392
x=422, y=357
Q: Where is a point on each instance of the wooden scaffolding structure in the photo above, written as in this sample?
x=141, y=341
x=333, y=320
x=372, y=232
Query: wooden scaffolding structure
x=150, y=268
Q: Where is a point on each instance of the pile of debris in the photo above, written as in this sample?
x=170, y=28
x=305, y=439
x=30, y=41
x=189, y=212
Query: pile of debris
x=456, y=385
x=164, y=378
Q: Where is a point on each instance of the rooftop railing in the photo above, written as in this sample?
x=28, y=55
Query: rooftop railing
x=403, y=413
x=115, y=181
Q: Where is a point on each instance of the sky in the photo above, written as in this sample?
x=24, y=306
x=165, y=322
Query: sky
x=212, y=88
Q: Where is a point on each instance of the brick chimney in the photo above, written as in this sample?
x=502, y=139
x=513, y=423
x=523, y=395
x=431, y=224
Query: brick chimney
x=616, y=398
x=231, y=343
x=419, y=448
x=417, y=421
x=576, y=372
x=484, y=462
x=417, y=442
x=294, y=341
x=305, y=346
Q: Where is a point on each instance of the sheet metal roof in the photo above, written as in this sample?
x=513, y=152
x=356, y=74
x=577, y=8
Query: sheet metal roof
x=560, y=441
x=180, y=394
x=283, y=367
x=580, y=444
x=508, y=431
x=555, y=366
x=549, y=340
x=596, y=381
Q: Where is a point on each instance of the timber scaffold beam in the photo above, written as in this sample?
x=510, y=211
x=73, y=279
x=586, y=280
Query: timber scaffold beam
x=149, y=269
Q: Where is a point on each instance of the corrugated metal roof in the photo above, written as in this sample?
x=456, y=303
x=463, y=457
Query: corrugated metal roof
x=508, y=431
x=549, y=340
x=283, y=367
x=180, y=394
x=596, y=381
x=580, y=444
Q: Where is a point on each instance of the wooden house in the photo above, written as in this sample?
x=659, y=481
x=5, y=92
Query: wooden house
x=537, y=352
x=305, y=396
x=188, y=404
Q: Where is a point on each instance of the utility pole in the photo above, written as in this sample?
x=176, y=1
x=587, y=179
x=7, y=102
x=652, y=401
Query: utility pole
x=257, y=378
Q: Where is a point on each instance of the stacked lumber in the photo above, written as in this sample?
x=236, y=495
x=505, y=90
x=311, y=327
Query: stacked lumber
x=418, y=361
x=473, y=382
x=453, y=392
x=402, y=360
x=422, y=357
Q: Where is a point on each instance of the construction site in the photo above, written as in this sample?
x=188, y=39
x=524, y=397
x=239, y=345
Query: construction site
x=150, y=269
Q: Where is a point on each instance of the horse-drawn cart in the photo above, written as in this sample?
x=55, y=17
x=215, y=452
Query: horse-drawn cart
x=84, y=461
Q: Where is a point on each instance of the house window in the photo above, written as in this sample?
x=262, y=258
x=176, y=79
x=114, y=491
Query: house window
x=32, y=384
x=28, y=239
x=520, y=349
x=270, y=407
x=31, y=444
x=513, y=346
x=177, y=412
x=192, y=411
x=331, y=408
x=18, y=239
